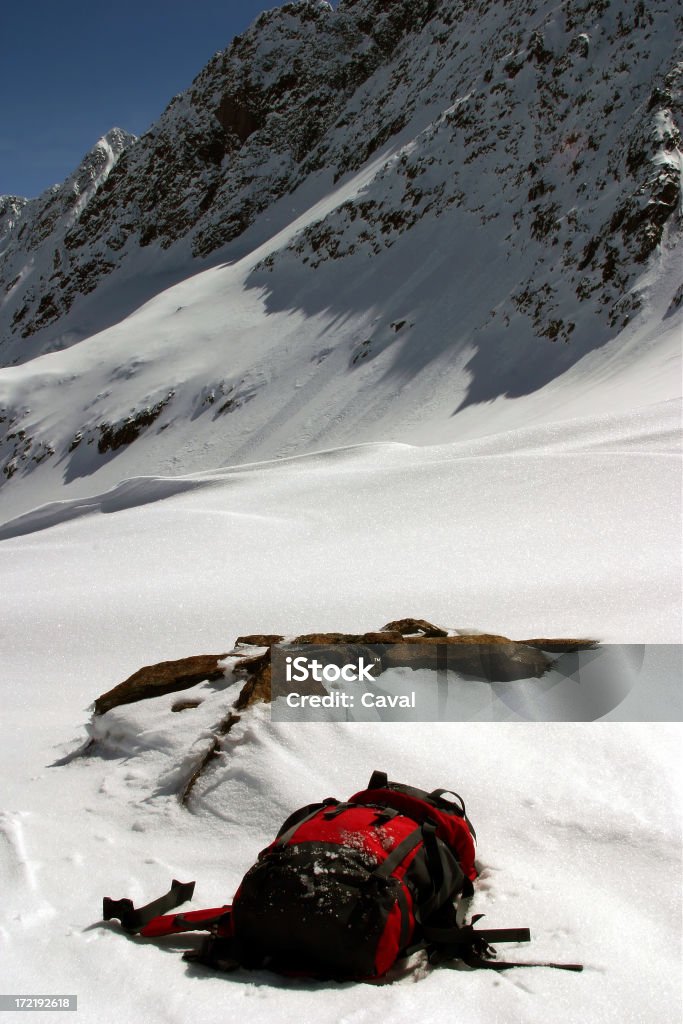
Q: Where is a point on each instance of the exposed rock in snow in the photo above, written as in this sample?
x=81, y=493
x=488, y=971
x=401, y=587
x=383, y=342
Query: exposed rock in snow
x=158, y=680
x=414, y=645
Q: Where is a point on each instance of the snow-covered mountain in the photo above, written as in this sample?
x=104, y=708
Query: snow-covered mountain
x=33, y=252
x=354, y=224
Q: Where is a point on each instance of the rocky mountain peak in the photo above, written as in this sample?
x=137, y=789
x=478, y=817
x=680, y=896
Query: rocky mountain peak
x=32, y=234
x=242, y=135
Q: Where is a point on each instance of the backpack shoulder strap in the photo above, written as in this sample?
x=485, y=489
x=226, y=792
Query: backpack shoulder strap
x=379, y=780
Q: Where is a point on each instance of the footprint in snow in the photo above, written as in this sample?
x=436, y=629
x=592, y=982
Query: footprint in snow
x=22, y=901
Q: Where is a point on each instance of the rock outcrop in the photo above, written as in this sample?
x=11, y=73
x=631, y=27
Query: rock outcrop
x=406, y=643
x=164, y=677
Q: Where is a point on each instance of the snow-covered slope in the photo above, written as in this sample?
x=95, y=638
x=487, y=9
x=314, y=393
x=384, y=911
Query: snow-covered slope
x=556, y=527
x=209, y=374
x=578, y=825
x=139, y=398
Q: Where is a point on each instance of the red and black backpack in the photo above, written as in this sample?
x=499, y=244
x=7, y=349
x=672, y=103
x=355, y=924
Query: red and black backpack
x=344, y=891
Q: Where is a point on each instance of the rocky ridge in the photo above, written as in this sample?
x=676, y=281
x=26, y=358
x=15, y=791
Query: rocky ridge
x=567, y=118
x=35, y=267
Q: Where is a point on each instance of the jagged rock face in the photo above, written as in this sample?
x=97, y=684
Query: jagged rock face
x=558, y=122
x=219, y=155
x=34, y=264
x=10, y=212
x=557, y=135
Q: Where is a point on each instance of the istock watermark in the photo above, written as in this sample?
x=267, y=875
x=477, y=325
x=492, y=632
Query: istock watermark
x=302, y=670
x=462, y=682
x=306, y=670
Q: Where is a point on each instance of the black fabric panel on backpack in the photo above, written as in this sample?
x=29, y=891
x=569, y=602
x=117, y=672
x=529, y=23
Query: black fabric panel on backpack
x=315, y=907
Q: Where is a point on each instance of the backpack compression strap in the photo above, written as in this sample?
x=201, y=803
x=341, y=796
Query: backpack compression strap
x=472, y=946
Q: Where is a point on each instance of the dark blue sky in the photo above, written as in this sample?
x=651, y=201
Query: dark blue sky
x=71, y=71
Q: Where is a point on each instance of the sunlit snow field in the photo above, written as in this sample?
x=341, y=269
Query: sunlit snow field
x=566, y=532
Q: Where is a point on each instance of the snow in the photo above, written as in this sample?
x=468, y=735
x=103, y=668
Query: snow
x=500, y=483
x=584, y=854
x=538, y=531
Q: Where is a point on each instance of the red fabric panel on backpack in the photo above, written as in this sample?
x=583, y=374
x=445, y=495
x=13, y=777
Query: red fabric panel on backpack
x=453, y=829
x=357, y=828
x=163, y=925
